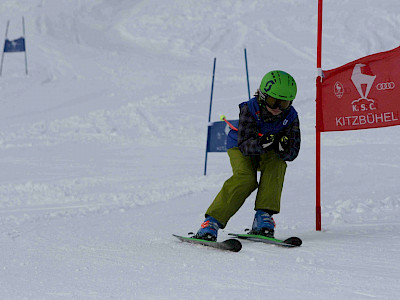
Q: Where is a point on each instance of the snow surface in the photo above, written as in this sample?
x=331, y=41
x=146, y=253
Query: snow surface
x=102, y=152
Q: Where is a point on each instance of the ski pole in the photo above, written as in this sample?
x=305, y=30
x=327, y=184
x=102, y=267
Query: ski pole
x=223, y=118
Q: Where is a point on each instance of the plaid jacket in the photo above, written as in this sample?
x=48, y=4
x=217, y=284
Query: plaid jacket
x=248, y=139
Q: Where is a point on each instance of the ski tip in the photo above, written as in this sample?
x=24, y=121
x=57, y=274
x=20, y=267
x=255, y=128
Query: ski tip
x=233, y=244
x=295, y=241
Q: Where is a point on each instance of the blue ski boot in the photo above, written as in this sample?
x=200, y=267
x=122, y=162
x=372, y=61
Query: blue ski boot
x=209, y=230
x=263, y=224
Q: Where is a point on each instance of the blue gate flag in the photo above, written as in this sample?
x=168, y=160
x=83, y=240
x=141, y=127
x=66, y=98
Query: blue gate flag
x=217, y=133
x=17, y=45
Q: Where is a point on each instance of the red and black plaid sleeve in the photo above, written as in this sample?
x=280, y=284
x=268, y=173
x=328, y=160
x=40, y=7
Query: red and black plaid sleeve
x=293, y=133
x=248, y=133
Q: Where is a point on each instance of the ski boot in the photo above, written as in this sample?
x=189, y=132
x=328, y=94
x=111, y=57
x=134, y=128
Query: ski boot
x=263, y=224
x=209, y=230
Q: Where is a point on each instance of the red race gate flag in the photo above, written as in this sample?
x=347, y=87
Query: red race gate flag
x=362, y=94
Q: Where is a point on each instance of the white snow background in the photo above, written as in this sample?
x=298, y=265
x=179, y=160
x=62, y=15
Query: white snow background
x=102, y=152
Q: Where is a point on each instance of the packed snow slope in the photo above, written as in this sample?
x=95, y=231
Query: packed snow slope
x=102, y=152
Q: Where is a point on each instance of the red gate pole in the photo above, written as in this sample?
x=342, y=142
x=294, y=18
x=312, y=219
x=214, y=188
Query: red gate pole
x=318, y=158
x=318, y=124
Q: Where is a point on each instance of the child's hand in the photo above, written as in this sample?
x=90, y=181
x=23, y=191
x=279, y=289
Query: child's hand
x=266, y=140
x=283, y=143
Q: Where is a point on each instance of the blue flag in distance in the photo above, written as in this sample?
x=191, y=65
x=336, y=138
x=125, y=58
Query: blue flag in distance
x=17, y=45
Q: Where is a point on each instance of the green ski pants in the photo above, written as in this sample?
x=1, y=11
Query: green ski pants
x=244, y=181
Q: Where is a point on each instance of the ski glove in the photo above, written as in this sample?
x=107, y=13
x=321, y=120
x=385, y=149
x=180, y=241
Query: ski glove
x=283, y=144
x=266, y=140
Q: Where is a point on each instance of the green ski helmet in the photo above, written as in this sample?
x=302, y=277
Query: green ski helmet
x=280, y=85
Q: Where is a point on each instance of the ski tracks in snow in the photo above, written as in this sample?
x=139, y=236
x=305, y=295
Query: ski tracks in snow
x=32, y=201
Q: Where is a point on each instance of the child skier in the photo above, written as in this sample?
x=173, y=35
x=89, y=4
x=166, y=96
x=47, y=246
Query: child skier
x=268, y=135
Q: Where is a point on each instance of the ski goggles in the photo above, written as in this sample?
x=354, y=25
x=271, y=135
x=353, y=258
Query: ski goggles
x=274, y=103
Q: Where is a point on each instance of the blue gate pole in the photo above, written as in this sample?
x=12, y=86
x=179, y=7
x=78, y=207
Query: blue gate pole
x=23, y=35
x=247, y=72
x=209, y=116
x=2, y=56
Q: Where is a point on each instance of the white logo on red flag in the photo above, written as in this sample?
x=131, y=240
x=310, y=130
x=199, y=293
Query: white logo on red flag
x=360, y=80
x=338, y=89
x=385, y=86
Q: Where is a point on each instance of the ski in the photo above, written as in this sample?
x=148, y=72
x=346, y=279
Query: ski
x=230, y=244
x=290, y=242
